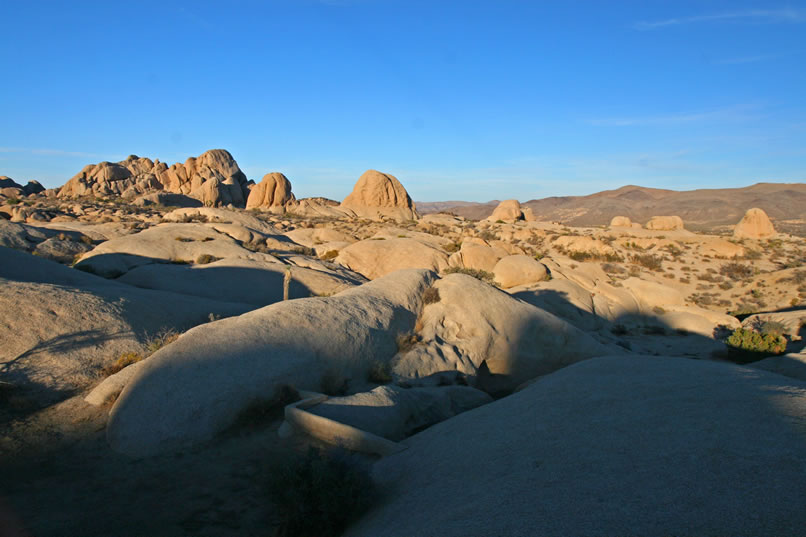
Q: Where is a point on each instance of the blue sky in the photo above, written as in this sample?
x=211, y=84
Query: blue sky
x=460, y=100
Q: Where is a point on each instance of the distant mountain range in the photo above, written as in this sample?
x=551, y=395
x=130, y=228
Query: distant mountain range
x=702, y=209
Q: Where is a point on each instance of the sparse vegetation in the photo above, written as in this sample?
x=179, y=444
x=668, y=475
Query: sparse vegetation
x=205, y=259
x=482, y=275
x=329, y=255
x=736, y=271
x=406, y=342
x=318, y=494
x=431, y=296
x=649, y=261
x=333, y=383
x=380, y=372
x=304, y=250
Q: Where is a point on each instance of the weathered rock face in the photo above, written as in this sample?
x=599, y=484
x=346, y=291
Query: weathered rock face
x=508, y=211
x=620, y=221
x=754, y=225
x=375, y=258
x=394, y=412
x=610, y=446
x=195, y=387
x=516, y=270
x=474, y=323
x=273, y=191
x=65, y=325
x=213, y=178
x=9, y=188
x=379, y=194
x=665, y=223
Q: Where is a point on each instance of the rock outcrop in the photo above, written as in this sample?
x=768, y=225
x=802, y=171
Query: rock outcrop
x=194, y=388
x=9, y=188
x=665, y=223
x=213, y=178
x=754, y=225
x=274, y=190
x=514, y=270
x=65, y=326
x=475, y=323
x=621, y=221
x=508, y=211
x=375, y=258
x=611, y=446
x=378, y=195
x=394, y=412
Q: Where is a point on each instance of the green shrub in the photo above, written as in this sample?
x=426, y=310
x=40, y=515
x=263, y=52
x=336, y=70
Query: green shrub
x=318, y=494
x=747, y=346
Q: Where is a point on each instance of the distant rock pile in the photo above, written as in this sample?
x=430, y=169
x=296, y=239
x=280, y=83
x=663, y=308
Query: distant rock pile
x=213, y=178
x=11, y=189
x=511, y=211
x=754, y=225
x=665, y=223
x=379, y=194
x=273, y=191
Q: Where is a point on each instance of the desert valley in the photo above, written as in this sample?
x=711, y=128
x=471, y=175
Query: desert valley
x=188, y=352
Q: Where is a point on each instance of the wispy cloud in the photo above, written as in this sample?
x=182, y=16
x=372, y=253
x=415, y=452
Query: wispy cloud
x=51, y=152
x=758, y=16
x=746, y=59
x=736, y=113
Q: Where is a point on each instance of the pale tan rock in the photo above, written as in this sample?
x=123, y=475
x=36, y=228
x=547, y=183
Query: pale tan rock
x=754, y=225
x=722, y=248
x=665, y=223
x=474, y=322
x=379, y=194
x=528, y=214
x=620, y=221
x=274, y=190
x=220, y=369
x=582, y=244
x=394, y=413
x=477, y=255
x=507, y=211
x=213, y=178
x=515, y=270
x=376, y=258
x=67, y=325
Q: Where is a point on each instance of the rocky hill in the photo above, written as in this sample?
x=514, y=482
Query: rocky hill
x=701, y=209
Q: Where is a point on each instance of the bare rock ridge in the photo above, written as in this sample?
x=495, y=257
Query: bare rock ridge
x=754, y=225
x=379, y=194
x=274, y=190
x=213, y=178
x=11, y=189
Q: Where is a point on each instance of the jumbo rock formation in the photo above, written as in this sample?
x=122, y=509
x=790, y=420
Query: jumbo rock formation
x=213, y=178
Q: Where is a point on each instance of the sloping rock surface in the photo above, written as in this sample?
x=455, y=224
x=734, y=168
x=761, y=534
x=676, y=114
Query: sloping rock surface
x=610, y=446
